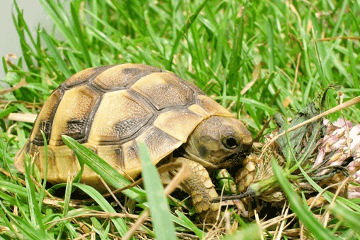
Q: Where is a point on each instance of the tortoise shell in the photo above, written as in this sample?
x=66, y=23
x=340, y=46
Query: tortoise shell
x=109, y=110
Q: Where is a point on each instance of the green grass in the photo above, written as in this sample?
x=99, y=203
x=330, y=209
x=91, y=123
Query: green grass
x=221, y=46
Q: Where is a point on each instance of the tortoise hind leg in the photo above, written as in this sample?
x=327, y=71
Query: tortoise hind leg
x=201, y=189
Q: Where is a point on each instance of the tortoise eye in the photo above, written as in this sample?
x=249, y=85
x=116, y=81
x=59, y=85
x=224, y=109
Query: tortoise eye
x=230, y=142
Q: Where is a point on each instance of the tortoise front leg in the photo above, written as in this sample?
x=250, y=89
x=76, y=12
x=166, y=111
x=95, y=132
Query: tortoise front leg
x=201, y=189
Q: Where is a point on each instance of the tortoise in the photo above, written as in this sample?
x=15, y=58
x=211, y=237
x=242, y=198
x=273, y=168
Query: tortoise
x=110, y=109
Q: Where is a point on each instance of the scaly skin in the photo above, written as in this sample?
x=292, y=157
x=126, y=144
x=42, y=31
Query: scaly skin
x=201, y=189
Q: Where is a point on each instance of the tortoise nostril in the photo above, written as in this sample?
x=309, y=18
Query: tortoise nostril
x=248, y=140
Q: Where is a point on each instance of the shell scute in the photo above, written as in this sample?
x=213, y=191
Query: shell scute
x=131, y=159
x=178, y=123
x=73, y=114
x=84, y=76
x=45, y=118
x=159, y=143
x=119, y=116
x=213, y=108
x=164, y=90
x=122, y=76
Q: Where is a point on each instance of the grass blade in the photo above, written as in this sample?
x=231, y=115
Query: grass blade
x=35, y=212
x=350, y=218
x=250, y=232
x=81, y=36
x=101, y=167
x=55, y=54
x=66, y=206
x=105, y=205
x=30, y=232
x=59, y=19
x=182, y=32
x=159, y=207
x=301, y=210
x=186, y=222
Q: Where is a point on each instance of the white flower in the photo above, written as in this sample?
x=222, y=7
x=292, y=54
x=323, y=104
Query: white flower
x=335, y=142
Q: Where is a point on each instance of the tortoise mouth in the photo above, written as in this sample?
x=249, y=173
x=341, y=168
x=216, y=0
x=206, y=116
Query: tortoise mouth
x=234, y=159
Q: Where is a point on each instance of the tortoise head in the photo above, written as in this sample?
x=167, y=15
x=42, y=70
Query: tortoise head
x=219, y=142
